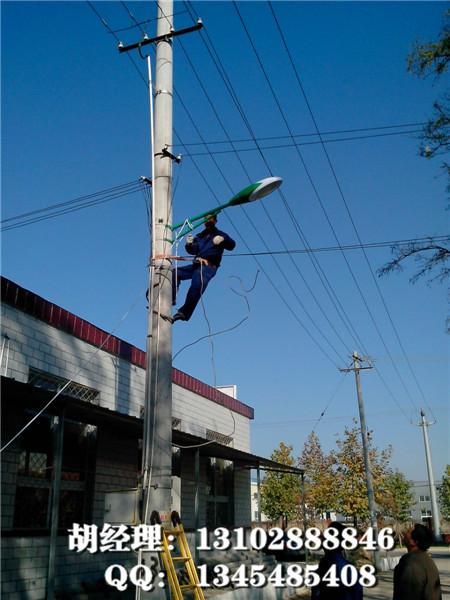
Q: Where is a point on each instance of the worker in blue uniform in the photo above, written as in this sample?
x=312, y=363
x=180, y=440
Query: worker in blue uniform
x=207, y=247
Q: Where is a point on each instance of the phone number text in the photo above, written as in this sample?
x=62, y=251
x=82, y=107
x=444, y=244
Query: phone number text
x=294, y=538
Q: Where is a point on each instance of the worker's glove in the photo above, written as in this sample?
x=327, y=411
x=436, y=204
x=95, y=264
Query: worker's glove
x=218, y=239
x=190, y=239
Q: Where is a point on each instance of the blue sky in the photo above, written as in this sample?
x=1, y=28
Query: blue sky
x=75, y=121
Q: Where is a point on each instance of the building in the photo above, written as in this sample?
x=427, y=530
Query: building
x=421, y=507
x=257, y=517
x=67, y=465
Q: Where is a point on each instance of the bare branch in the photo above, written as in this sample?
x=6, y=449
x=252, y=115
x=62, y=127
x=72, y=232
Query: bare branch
x=437, y=260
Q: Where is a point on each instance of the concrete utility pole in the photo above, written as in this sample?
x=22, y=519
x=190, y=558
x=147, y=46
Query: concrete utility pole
x=157, y=443
x=365, y=444
x=158, y=401
x=434, y=506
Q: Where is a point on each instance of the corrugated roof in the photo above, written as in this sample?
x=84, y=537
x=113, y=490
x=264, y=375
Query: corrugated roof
x=52, y=314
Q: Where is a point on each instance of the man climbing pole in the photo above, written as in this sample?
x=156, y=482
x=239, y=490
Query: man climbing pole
x=207, y=247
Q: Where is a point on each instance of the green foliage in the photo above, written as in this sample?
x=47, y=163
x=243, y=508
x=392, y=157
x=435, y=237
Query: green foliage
x=280, y=492
x=350, y=479
x=432, y=57
x=399, y=497
x=444, y=494
x=320, y=488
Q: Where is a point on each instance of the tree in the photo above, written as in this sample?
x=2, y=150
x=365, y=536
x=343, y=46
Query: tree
x=398, y=499
x=280, y=492
x=431, y=58
x=320, y=488
x=444, y=494
x=350, y=480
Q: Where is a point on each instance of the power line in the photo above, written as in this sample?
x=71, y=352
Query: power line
x=103, y=21
x=140, y=23
x=310, y=134
x=321, y=274
x=341, y=192
x=355, y=279
x=385, y=244
x=69, y=202
x=200, y=172
x=279, y=267
x=70, y=206
x=295, y=144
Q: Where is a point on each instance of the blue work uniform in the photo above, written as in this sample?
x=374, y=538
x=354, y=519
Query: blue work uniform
x=200, y=274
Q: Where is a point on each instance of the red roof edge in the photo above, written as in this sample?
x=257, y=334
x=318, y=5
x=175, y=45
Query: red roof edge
x=36, y=306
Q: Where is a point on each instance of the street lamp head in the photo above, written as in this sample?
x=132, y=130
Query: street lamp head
x=256, y=191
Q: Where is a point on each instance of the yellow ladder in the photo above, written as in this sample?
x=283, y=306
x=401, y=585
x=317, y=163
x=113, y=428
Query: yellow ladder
x=170, y=537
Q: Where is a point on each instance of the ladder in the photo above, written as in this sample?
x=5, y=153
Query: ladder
x=176, y=537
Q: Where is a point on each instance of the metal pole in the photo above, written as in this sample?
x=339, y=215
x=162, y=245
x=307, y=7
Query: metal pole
x=305, y=522
x=58, y=435
x=196, y=500
x=434, y=506
x=158, y=401
x=258, y=493
x=365, y=445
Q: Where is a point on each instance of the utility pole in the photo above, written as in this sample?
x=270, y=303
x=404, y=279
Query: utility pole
x=157, y=443
x=434, y=506
x=365, y=444
x=157, y=466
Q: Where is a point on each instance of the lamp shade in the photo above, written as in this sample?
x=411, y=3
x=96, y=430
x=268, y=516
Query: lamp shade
x=255, y=191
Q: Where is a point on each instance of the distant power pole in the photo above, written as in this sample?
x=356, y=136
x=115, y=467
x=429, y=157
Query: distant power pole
x=365, y=444
x=434, y=506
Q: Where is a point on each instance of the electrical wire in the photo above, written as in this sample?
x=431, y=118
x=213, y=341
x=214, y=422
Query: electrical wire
x=296, y=144
x=332, y=397
x=279, y=267
x=341, y=192
x=300, y=135
x=140, y=23
x=311, y=134
x=280, y=237
x=84, y=364
x=385, y=244
x=322, y=276
x=132, y=17
x=355, y=279
x=71, y=205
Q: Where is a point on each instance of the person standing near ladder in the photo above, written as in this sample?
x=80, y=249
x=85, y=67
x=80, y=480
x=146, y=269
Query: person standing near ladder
x=207, y=247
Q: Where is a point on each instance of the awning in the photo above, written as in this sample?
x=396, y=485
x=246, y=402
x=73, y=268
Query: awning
x=17, y=394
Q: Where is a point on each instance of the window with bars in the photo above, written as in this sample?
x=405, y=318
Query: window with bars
x=32, y=504
x=53, y=383
x=215, y=436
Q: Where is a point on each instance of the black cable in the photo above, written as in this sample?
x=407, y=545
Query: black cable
x=69, y=202
x=311, y=134
x=347, y=208
x=386, y=244
x=279, y=146
x=108, y=28
x=139, y=23
x=132, y=17
x=217, y=62
x=355, y=279
x=316, y=265
x=70, y=209
x=279, y=267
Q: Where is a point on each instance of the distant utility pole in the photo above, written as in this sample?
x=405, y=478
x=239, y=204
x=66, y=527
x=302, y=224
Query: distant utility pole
x=365, y=444
x=434, y=506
